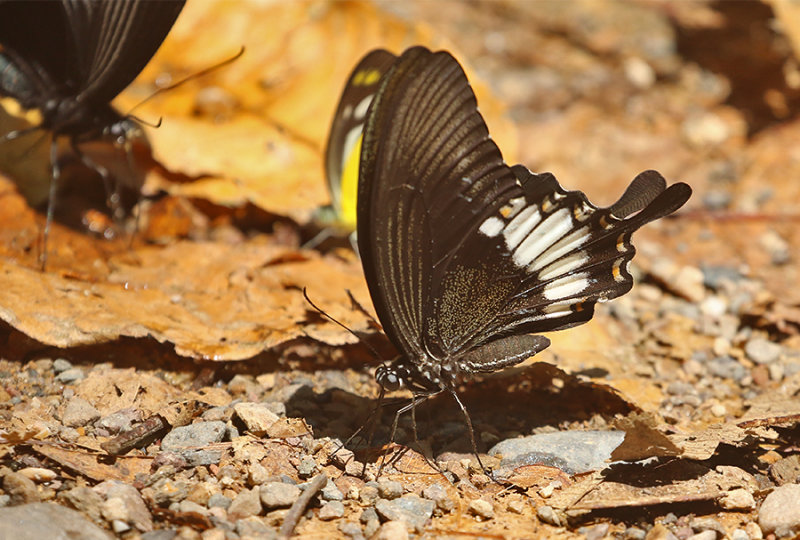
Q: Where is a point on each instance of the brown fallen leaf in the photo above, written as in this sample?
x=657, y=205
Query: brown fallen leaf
x=92, y=465
x=678, y=481
x=643, y=439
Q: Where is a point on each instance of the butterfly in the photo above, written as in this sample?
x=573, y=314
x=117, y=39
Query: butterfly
x=343, y=148
x=467, y=259
x=69, y=59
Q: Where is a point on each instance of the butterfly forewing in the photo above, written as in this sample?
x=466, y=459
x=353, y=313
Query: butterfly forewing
x=464, y=255
x=430, y=174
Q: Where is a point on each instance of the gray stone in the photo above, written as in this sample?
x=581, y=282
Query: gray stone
x=70, y=376
x=79, y=412
x=571, y=451
x=61, y=364
x=278, y=494
x=780, y=511
x=85, y=500
x=390, y=489
x=634, y=533
x=47, y=520
x=331, y=510
x=762, y=351
x=247, y=503
x=307, y=467
x=166, y=490
x=411, y=509
x=438, y=494
x=121, y=420
x=331, y=493
x=134, y=509
x=193, y=436
x=727, y=367
x=218, y=500
x=351, y=529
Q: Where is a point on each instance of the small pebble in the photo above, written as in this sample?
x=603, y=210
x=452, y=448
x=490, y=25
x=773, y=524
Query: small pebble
x=438, y=494
x=634, y=533
x=390, y=489
x=38, y=474
x=79, y=412
x=707, y=524
x=70, y=376
x=61, y=364
x=740, y=534
x=331, y=493
x=780, y=511
x=247, y=503
x=718, y=410
x=307, y=467
x=20, y=488
x=753, y=531
x=481, y=509
x=351, y=529
x=762, y=351
x=392, y=530
x=257, y=417
x=278, y=494
x=331, y=510
x=516, y=506
x=412, y=509
x=705, y=535
x=738, y=499
x=218, y=500
x=548, y=515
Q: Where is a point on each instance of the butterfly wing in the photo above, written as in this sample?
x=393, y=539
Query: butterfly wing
x=88, y=50
x=35, y=48
x=114, y=41
x=462, y=253
x=344, y=141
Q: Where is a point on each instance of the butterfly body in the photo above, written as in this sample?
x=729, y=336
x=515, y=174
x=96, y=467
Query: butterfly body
x=466, y=258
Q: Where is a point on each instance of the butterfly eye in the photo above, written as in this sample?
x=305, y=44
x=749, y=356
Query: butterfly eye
x=388, y=378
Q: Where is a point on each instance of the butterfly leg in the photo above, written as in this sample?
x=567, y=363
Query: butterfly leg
x=55, y=177
x=471, y=432
x=416, y=400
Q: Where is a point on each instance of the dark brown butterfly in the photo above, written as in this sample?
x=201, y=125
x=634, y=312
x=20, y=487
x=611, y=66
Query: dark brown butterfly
x=468, y=259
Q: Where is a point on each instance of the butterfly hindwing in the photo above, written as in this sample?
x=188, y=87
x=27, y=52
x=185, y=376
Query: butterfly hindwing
x=343, y=149
x=464, y=255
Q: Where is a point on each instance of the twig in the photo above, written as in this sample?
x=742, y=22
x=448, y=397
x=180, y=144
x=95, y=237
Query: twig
x=299, y=506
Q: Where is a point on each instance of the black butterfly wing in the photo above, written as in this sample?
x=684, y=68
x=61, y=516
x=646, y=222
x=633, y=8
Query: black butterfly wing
x=114, y=40
x=569, y=253
x=464, y=255
x=348, y=122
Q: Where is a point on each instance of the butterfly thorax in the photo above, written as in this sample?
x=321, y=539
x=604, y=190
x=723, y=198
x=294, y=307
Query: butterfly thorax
x=74, y=118
x=426, y=376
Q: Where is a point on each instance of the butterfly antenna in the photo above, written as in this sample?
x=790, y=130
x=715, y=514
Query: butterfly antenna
x=196, y=75
x=362, y=340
